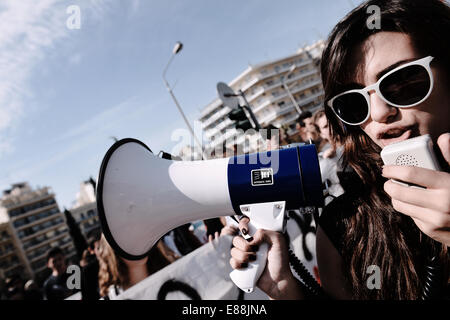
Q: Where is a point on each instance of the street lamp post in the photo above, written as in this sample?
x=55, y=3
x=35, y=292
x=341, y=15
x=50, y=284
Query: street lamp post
x=285, y=86
x=177, y=48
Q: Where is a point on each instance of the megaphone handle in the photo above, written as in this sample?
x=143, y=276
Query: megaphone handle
x=246, y=279
x=269, y=216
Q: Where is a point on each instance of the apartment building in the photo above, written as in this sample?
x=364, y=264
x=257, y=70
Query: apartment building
x=84, y=211
x=31, y=224
x=262, y=85
x=10, y=260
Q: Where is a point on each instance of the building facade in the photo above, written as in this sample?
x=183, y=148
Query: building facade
x=85, y=210
x=31, y=224
x=268, y=98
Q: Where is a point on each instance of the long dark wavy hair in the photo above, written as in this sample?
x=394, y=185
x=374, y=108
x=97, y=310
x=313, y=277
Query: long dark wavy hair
x=377, y=234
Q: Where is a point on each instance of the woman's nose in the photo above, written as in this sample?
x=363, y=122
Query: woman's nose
x=380, y=111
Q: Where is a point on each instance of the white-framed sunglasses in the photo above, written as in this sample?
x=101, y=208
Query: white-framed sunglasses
x=403, y=87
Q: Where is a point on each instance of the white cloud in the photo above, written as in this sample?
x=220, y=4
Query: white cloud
x=28, y=30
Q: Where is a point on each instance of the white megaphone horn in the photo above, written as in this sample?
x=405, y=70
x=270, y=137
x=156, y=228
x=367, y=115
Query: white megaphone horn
x=140, y=197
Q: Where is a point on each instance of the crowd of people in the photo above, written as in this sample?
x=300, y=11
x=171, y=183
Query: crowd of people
x=104, y=274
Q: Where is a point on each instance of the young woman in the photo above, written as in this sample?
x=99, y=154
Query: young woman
x=381, y=86
x=117, y=274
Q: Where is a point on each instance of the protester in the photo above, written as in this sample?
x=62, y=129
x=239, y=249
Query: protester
x=302, y=124
x=55, y=287
x=185, y=240
x=380, y=223
x=89, y=271
x=327, y=146
x=117, y=274
x=223, y=229
x=272, y=135
x=14, y=288
x=284, y=136
x=32, y=291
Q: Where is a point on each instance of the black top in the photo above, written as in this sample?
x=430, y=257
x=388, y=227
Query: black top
x=55, y=288
x=334, y=219
x=89, y=283
x=335, y=214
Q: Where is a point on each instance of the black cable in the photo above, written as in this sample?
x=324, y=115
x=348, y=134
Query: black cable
x=308, y=280
x=433, y=275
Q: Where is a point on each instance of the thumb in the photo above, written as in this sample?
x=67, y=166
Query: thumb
x=444, y=144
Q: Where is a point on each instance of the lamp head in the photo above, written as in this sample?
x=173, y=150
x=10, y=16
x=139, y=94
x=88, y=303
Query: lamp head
x=177, y=48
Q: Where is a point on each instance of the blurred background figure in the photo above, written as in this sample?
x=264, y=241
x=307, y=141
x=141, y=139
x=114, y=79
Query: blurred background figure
x=89, y=271
x=32, y=291
x=180, y=241
x=328, y=146
x=284, y=137
x=14, y=289
x=55, y=287
x=273, y=137
x=117, y=274
x=221, y=228
x=302, y=124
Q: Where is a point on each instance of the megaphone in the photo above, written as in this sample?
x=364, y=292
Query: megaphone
x=140, y=197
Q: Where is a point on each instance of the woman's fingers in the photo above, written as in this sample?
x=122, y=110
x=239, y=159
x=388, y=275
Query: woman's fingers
x=244, y=245
x=243, y=225
x=241, y=253
x=433, y=219
x=420, y=176
x=242, y=256
x=426, y=198
x=444, y=144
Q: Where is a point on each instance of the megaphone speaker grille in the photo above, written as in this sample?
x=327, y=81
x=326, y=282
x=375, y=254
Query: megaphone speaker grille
x=406, y=160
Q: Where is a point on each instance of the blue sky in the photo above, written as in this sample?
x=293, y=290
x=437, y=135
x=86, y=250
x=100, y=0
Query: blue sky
x=64, y=92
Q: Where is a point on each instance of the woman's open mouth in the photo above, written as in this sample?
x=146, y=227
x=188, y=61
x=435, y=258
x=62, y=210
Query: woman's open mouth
x=395, y=135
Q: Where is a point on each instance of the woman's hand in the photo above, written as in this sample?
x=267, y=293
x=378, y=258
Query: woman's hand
x=227, y=230
x=329, y=153
x=277, y=280
x=430, y=207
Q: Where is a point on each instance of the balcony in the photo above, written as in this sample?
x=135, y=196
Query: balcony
x=272, y=73
x=31, y=220
x=268, y=88
x=5, y=239
x=28, y=198
x=222, y=113
x=42, y=252
x=56, y=224
x=27, y=210
x=293, y=91
x=43, y=242
x=6, y=253
x=217, y=130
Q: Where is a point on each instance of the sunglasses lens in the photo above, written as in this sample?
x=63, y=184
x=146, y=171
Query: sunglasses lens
x=351, y=107
x=406, y=86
